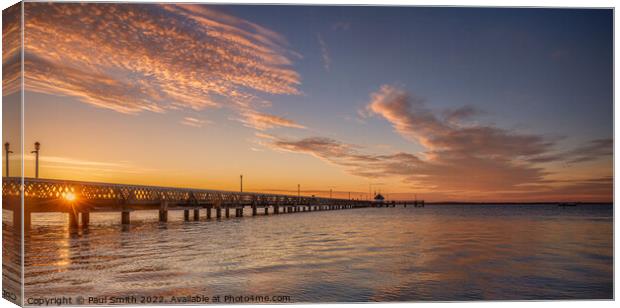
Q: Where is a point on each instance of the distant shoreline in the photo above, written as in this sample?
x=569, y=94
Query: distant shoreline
x=513, y=203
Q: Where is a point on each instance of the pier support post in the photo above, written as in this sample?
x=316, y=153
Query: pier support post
x=227, y=212
x=266, y=210
x=27, y=220
x=196, y=214
x=17, y=220
x=85, y=219
x=254, y=213
x=237, y=212
x=186, y=215
x=276, y=209
x=163, y=211
x=125, y=217
x=218, y=212
x=208, y=212
x=73, y=219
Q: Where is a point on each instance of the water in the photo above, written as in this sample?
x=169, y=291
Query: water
x=440, y=252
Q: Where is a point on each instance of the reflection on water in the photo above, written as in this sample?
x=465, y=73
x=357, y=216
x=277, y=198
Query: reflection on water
x=11, y=259
x=441, y=252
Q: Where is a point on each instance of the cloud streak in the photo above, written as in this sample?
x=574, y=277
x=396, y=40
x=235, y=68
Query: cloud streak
x=263, y=121
x=327, y=60
x=193, y=122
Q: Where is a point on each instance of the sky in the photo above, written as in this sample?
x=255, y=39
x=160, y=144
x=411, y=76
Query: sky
x=442, y=104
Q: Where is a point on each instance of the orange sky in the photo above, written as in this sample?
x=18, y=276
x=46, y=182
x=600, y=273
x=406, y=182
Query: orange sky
x=143, y=98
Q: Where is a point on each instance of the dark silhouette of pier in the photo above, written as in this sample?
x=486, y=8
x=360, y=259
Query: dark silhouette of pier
x=80, y=199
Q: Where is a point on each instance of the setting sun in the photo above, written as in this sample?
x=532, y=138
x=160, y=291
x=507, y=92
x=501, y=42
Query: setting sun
x=69, y=196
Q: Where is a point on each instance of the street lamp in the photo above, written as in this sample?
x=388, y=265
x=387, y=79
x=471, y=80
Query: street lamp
x=37, y=147
x=6, y=155
x=241, y=181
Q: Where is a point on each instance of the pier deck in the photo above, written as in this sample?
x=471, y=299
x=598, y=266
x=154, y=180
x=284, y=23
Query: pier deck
x=79, y=199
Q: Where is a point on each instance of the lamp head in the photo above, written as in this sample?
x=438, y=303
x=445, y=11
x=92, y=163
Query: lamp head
x=37, y=146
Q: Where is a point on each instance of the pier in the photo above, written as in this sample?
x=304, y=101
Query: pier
x=79, y=199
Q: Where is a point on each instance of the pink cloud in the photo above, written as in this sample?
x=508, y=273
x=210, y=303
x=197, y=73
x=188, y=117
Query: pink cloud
x=130, y=59
x=263, y=121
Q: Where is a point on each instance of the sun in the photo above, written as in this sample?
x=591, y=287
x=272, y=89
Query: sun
x=69, y=196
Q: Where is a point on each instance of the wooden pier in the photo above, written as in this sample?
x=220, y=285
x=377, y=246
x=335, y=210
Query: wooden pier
x=80, y=199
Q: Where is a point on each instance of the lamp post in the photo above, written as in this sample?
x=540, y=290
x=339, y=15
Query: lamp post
x=6, y=155
x=37, y=147
x=298, y=193
x=241, y=182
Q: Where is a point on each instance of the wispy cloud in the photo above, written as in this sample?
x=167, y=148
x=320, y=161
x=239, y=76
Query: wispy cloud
x=153, y=58
x=592, y=150
x=11, y=64
x=84, y=166
x=263, y=121
x=327, y=61
x=193, y=122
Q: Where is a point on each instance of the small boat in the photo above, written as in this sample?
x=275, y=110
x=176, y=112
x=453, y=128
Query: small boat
x=567, y=204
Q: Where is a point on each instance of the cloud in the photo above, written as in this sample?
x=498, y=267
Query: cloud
x=463, y=160
x=263, y=121
x=132, y=58
x=592, y=150
x=324, y=53
x=412, y=119
x=84, y=166
x=457, y=115
x=193, y=122
x=451, y=174
x=11, y=65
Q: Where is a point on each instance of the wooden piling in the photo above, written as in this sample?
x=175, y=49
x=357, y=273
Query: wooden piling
x=196, y=214
x=73, y=219
x=276, y=209
x=218, y=212
x=186, y=215
x=266, y=210
x=163, y=211
x=85, y=219
x=125, y=217
x=17, y=220
x=208, y=212
x=254, y=213
x=227, y=212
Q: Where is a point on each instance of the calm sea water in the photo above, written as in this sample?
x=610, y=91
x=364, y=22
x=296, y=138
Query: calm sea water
x=440, y=252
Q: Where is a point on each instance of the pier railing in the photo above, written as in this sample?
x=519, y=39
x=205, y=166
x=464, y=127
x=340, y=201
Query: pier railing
x=52, y=189
x=79, y=199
